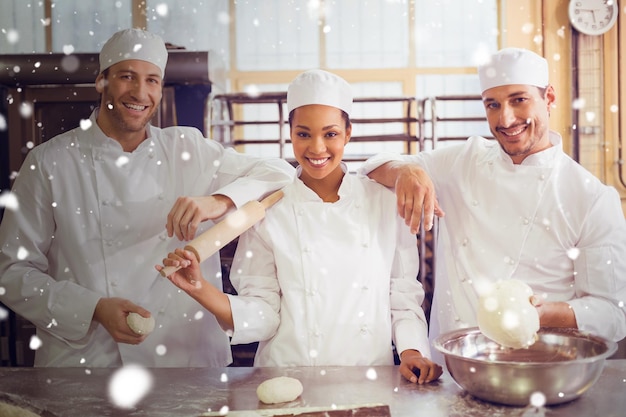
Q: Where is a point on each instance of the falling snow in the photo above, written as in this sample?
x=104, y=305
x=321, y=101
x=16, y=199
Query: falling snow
x=573, y=253
x=85, y=124
x=537, y=399
x=9, y=201
x=121, y=161
x=162, y=10
x=35, y=342
x=22, y=253
x=128, y=385
x=253, y=90
x=578, y=103
x=12, y=35
x=26, y=109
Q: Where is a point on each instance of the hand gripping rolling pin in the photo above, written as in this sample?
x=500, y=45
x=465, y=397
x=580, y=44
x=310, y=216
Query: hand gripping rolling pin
x=227, y=230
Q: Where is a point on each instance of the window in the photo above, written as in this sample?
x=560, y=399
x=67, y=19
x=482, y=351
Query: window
x=22, y=27
x=383, y=48
x=196, y=26
x=446, y=39
x=357, y=39
x=276, y=34
x=373, y=34
x=84, y=26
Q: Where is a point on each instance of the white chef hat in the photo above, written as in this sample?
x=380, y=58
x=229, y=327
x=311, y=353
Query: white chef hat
x=134, y=44
x=319, y=87
x=513, y=66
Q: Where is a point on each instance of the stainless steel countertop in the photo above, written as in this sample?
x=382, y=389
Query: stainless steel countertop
x=191, y=392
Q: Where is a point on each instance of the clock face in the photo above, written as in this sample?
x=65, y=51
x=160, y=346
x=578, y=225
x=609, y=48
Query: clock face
x=593, y=17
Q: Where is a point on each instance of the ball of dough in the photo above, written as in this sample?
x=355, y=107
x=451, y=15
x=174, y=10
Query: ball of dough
x=506, y=315
x=139, y=324
x=281, y=389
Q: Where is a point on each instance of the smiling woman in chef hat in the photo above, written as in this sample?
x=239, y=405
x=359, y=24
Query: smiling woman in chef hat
x=329, y=276
x=319, y=105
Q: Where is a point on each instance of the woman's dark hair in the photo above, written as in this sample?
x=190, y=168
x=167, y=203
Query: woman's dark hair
x=344, y=116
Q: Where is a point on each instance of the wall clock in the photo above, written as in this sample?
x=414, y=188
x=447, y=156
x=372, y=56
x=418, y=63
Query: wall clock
x=593, y=17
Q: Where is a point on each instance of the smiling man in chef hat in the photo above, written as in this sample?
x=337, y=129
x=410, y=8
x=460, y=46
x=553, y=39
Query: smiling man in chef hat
x=514, y=85
x=132, y=66
x=106, y=197
x=520, y=209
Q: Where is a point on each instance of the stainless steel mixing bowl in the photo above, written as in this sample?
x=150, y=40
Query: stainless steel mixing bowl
x=559, y=367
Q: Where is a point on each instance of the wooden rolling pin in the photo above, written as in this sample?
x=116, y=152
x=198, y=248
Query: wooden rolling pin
x=227, y=230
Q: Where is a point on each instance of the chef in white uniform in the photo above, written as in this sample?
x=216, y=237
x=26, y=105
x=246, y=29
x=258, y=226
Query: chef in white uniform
x=519, y=207
x=329, y=277
x=78, y=254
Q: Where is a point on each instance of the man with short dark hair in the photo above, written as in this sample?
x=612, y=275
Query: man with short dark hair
x=518, y=207
x=97, y=208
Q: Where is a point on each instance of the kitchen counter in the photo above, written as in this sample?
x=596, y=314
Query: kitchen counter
x=60, y=392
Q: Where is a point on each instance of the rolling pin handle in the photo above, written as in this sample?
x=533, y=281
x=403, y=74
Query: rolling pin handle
x=168, y=270
x=265, y=203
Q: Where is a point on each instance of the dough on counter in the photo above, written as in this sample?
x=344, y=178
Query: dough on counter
x=281, y=389
x=139, y=324
x=506, y=315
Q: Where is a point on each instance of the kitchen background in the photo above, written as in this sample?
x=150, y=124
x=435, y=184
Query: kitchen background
x=411, y=63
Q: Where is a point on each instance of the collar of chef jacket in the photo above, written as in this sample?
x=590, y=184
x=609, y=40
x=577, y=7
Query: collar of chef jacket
x=543, y=158
x=100, y=139
x=304, y=191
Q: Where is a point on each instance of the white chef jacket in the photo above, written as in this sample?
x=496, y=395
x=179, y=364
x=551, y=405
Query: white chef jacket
x=329, y=283
x=547, y=222
x=91, y=224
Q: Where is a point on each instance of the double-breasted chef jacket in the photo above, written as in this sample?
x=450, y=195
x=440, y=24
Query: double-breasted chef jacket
x=547, y=221
x=329, y=283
